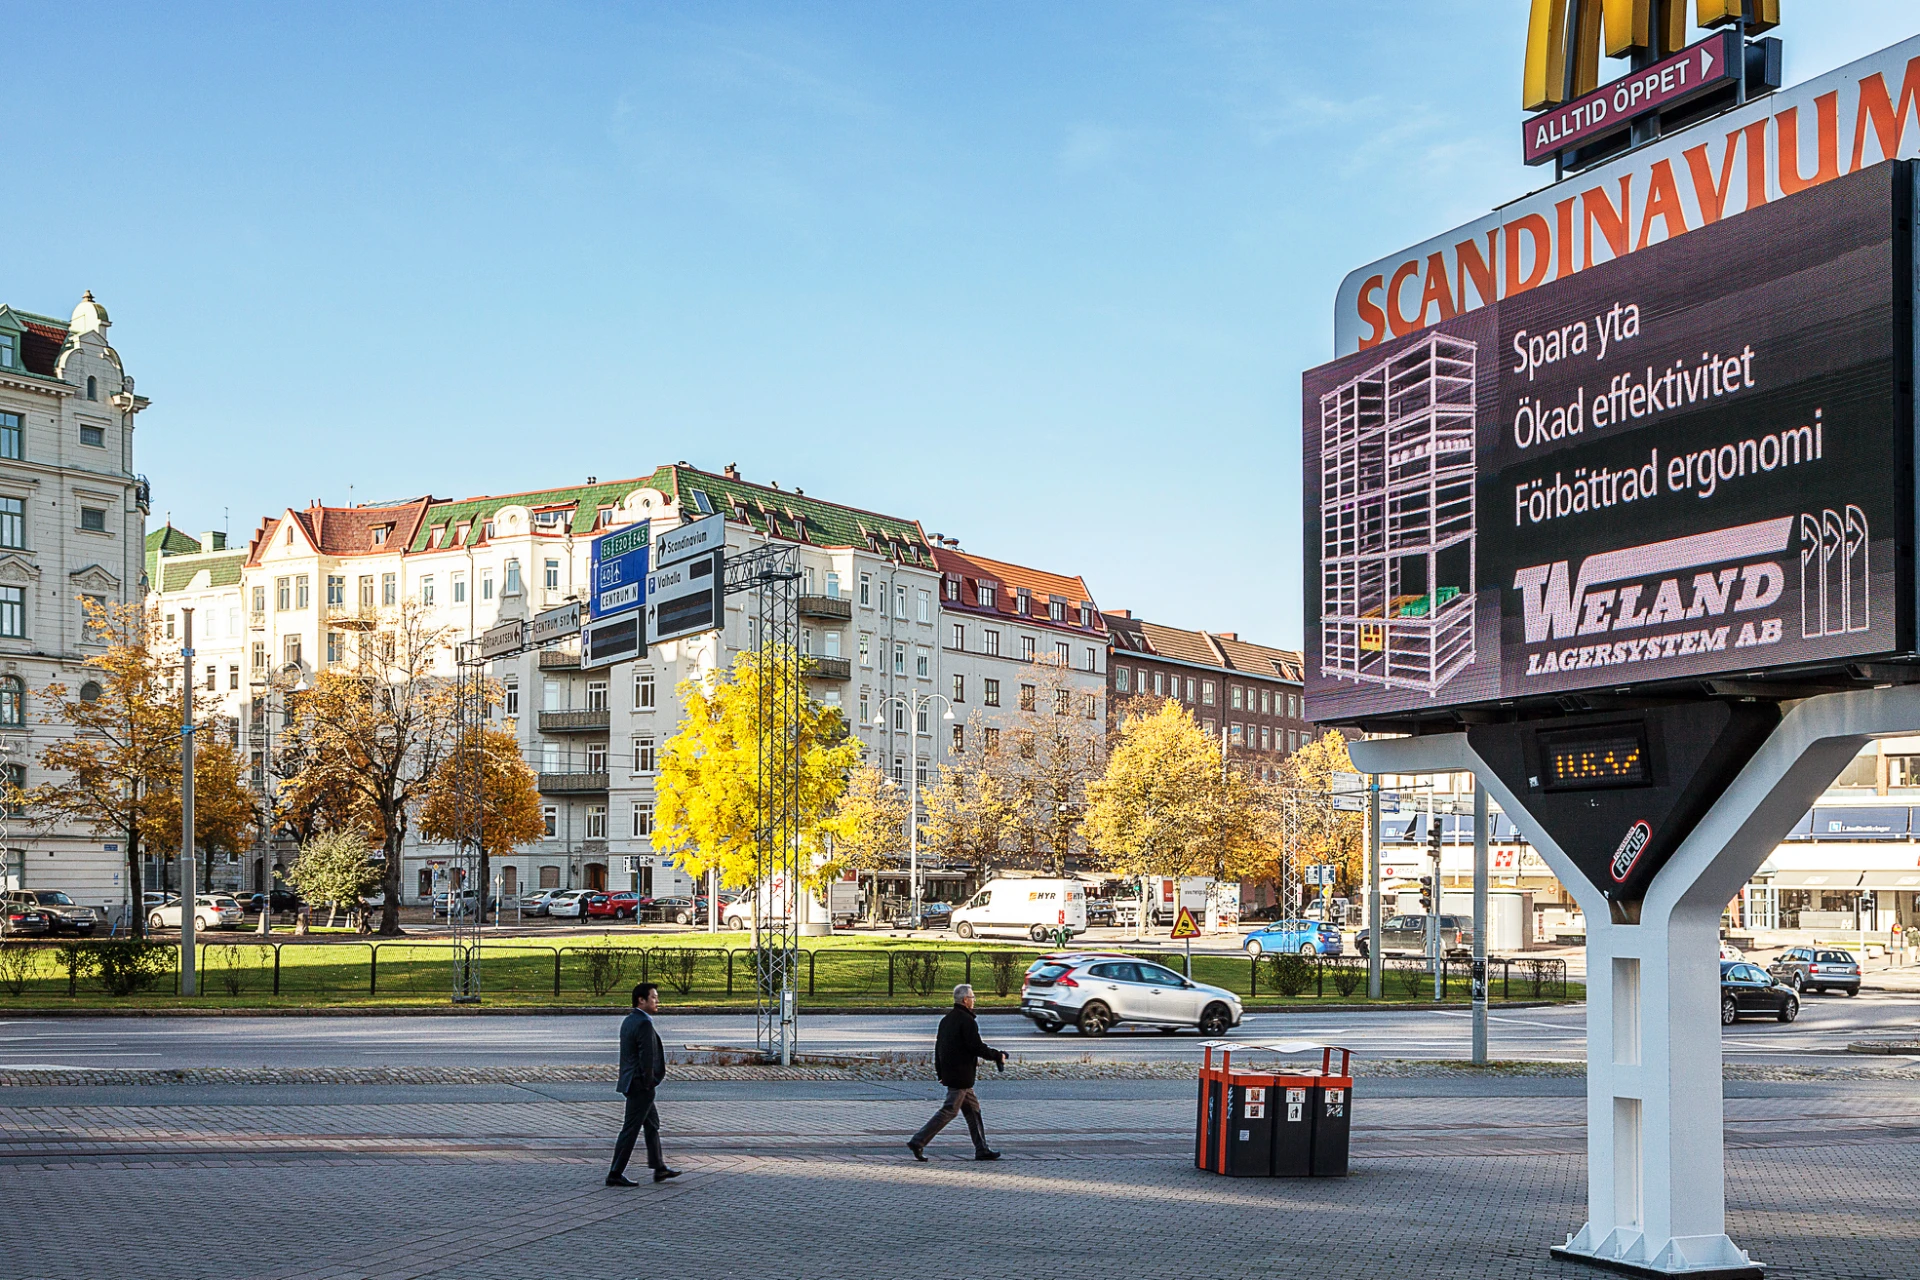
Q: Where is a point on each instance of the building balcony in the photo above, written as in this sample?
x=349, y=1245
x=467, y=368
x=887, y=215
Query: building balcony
x=829, y=607
x=830, y=668
x=559, y=660
x=573, y=721
x=350, y=617
x=572, y=783
x=257, y=622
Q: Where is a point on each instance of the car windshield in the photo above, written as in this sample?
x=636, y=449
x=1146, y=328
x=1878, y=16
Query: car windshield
x=52, y=898
x=1833, y=957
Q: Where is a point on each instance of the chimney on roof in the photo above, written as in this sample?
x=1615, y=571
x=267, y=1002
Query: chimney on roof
x=773, y=484
x=593, y=479
x=799, y=492
x=1230, y=635
x=213, y=541
x=731, y=471
x=1121, y=613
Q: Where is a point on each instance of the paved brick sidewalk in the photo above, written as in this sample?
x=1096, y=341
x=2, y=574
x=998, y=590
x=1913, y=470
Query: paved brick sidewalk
x=813, y=1186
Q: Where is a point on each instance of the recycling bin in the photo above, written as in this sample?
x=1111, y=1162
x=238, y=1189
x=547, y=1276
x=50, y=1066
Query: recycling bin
x=1332, y=1117
x=1293, y=1119
x=1246, y=1137
x=1206, y=1135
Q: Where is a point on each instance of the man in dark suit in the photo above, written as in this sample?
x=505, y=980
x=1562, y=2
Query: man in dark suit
x=643, y=1065
x=957, y=1052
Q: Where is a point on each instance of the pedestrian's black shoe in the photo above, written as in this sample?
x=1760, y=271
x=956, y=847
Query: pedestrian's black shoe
x=984, y=1154
x=620, y=1180
x=918, y=1154
x=661, y=1175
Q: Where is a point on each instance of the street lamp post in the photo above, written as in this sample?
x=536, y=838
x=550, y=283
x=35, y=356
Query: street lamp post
x=289, y=679
x=915, y=704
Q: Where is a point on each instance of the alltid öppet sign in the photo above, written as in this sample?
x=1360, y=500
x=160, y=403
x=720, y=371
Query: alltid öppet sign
x=1696, y=69
x=1778, y=146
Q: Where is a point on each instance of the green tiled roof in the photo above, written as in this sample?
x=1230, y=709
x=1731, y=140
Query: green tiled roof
x=774, y=511
x=223, y=568
x=169, y=541
x=586, y=499
x=767, y=509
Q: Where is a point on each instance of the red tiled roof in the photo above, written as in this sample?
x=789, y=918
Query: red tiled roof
x=1010, y=579
x=40, y=347
x=1217, y=649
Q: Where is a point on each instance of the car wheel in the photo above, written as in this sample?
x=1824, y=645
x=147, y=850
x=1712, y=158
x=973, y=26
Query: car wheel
x=1051, y=1028
x=964, y=929
x=1852, y=991
x=1253, y=948
x=154, y=921
x=1798, y=983
x=1729, y=1012
x=1790, y=1010
x=1215, y=1020
x=200, y=922
x=1306, y=949
x=1095, y=1019
x=682, y=918
x=1038, y=933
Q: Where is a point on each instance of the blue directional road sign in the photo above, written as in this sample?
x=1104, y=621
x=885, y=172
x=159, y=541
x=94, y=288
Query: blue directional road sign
x=619, y=571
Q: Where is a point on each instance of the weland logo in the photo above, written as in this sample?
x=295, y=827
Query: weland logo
x=1632, y=845
x=1641, y=588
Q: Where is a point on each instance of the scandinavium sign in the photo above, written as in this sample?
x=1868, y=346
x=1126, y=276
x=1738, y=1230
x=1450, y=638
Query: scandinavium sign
x=1800, y=138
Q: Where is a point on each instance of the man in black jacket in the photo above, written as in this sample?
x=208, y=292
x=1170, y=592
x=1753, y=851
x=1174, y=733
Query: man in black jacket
x=643, y=1065
x=957, y=1052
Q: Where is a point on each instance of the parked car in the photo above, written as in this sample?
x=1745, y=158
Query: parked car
x=568, y=904
x=19, y=920
x=62, y=913
x=1817, y=969
x=1260, y=915
x=155, y=898
x=1304, y=937
x=1333, y=911
x=1099, y=912
x=677, y=910
x=1407, y=935
x=465, y=902
x=535, y=904
x=623, y=904
x=210, y=911
x=282, y=899
x=1747, y=990
x=1098, y=994
x=1730, y=952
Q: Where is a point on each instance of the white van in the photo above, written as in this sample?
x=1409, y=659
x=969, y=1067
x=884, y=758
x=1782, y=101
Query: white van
x=1036, y=908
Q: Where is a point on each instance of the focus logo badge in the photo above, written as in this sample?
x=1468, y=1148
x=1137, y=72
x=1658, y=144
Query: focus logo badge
x=1631, y=847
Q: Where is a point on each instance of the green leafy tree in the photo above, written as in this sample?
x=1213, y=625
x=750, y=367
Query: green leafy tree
x=336, y=868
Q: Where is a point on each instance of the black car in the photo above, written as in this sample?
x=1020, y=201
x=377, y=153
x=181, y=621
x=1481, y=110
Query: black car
x=1099, y=912
x=283, y=900
x=1747, y=990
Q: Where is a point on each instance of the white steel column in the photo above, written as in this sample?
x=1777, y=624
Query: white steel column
x=1656, y=1193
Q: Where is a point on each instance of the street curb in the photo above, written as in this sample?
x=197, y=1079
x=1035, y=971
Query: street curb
x=690, y=1010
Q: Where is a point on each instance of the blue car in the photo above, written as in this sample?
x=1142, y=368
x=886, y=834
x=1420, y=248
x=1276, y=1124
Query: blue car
x=1303, y=937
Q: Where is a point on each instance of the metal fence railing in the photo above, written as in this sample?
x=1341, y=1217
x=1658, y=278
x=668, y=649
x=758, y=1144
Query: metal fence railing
x=593, y=972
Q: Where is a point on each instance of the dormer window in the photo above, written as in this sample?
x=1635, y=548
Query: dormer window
x=466, y=528
x=1086, y=615
x=486, y=530
x=604, y=519
x=433, y=538
x=984, y=591
x=1057, y=610
x=1022, y=602
x=9, y=351
x=380, y=532
x=549, y=519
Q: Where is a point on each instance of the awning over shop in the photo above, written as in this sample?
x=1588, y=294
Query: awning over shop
x=1891, y=880
x=1815, y=880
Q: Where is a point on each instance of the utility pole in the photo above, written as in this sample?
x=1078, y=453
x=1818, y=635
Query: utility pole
x=189, y=878
x=1434, y=959
x=1376, y=963
x=1479, y=924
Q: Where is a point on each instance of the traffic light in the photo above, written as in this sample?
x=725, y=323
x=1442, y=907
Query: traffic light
x=1433, y=837
x=1426, y=893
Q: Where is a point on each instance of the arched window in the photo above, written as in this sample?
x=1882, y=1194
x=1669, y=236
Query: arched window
x=93, y=388
x=90, y=692
x=13, y=703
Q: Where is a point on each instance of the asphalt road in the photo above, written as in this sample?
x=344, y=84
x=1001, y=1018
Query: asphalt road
x=1826, y=1025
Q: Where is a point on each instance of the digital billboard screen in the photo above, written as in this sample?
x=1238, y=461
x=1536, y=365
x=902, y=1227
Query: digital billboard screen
x=1692, y=461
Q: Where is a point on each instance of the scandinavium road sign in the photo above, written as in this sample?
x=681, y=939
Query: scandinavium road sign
x=685, y=599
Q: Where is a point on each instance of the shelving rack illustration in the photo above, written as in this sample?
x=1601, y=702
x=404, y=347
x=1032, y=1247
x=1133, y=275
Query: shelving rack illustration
x=1397, y=553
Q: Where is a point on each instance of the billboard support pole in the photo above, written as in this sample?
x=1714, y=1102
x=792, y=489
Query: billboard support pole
x=1656, y=1166
x=1479, y=926
x=1376, y=965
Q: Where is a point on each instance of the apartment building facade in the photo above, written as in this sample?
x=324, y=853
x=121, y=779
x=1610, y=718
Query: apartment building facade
x=310, y=579
x=1246, y=694
x=72, y=528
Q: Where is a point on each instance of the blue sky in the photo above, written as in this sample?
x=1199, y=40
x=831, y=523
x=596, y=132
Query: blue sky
x=1043, y=276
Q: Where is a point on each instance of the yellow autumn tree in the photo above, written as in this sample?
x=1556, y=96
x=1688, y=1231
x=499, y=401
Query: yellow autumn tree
x=868, y=829
x=710, y=797
x=1311, y=831
x=1146, y=814
x=507, y=801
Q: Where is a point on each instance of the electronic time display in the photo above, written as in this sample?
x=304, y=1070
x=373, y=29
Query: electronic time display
x=1595, y=759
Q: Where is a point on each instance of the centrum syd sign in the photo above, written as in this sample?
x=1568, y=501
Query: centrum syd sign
x=1802, y=137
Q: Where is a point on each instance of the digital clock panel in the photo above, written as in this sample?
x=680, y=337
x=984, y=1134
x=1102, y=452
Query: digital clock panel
x=1595, y=759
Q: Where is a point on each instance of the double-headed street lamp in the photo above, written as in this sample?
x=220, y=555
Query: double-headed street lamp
x=916, y=704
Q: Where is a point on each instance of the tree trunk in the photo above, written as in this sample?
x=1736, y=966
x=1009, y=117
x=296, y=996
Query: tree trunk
x=390, y=884
x=137, y=911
